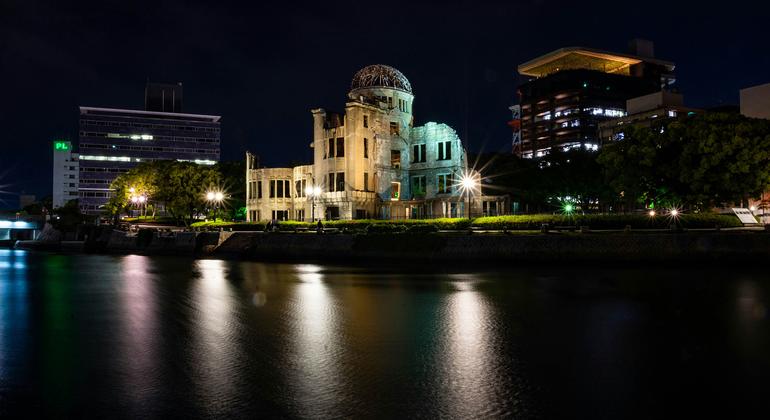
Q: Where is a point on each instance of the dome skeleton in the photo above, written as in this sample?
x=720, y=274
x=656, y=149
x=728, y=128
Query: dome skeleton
x=380, y=75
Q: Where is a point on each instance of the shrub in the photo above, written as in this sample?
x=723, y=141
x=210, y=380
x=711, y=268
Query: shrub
x=237, y=226
x=606, y=221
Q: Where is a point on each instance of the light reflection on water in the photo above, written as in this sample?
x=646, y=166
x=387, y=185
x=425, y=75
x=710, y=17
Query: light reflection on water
x=89, y=336
x=215, y=330
x=139, y=313
x=316, y=345
x=14, y=312
x=468, y=353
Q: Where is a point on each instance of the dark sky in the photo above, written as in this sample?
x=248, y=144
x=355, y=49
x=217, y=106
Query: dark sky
x=263, y=66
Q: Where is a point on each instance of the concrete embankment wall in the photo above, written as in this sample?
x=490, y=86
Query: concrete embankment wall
x=744, y=246
x=459, y=247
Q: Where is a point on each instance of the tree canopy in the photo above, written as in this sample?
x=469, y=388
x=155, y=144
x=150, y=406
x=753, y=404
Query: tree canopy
x=708, y=160
x=179, y=187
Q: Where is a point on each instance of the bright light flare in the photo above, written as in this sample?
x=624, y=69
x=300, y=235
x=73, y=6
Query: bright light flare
x=674, y=212
x=651, y=213
x=470, y=181
x=219, y=196
x=210, y=196
x=569, y=208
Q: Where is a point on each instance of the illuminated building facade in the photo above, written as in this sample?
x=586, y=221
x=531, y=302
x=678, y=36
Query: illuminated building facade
x=112, y=141
x=66, y=174
x=369, y=162
x=574, y=89
x=645, y=111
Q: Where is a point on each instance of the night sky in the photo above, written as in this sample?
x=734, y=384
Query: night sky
x=262, y=67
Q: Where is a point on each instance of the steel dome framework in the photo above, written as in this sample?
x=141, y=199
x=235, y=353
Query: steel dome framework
x=380, y=75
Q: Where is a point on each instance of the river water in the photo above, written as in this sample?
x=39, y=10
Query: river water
x=92, y=336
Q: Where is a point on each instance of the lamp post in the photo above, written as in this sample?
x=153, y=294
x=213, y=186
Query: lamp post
x=138, y=200
x=469, y=182
x=313, y=192
x=216, y=198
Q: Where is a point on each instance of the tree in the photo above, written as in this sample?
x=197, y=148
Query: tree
x=702, y=161
x=179, y=187
x=234, y=185
x=183, y=187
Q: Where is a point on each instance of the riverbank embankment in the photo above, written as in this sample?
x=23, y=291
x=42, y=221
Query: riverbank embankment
x=440, y=247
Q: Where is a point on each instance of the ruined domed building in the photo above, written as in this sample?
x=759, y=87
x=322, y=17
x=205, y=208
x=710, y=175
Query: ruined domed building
x=370, y=162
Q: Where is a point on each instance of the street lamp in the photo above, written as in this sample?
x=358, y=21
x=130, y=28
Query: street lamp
x=215, y=197
x=137, y=199
x=469, y=182
x=312, y=192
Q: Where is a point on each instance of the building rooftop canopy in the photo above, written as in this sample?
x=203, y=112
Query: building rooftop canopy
x=380, y=75
x=572, y=58
x=147, y=114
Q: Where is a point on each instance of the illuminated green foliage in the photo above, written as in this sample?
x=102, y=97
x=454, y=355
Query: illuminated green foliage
x=703, y=161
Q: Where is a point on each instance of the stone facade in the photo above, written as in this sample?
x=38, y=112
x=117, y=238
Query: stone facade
x=370, y=162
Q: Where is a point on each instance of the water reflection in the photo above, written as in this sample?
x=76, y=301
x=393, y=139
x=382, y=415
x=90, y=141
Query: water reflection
x=14, y=314
x=216, y=330
x=470, y=353
x=317, y=345
x=57, y=333
x=140, y=339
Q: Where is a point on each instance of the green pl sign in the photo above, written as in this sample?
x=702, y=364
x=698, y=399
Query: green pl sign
x=61, y=146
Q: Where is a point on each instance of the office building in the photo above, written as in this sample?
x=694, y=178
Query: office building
x=645, y=111
x=112, y=141
x=66, y=173
x=369, y=162
x=572, y=90
x=755, y=101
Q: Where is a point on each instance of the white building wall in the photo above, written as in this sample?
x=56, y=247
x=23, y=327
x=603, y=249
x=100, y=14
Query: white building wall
x=66, y=174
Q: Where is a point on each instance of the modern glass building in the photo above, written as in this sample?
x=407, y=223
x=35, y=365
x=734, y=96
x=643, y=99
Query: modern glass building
x=574, y=89
x=112, y=141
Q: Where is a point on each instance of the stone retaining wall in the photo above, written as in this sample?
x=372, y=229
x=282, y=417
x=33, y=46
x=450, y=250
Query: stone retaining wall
x=459, y=247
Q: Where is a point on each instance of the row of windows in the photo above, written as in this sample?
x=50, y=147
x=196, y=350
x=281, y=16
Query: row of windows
x=115, y=170
x=336, y=148
x=94, y=194
x=419, y=155
x=403, y=105
x=147, y=125
x=180, y=139
x=336, y=181
x=147, y=148
x=444, y=183
x=95, y=181
x=278, y=188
